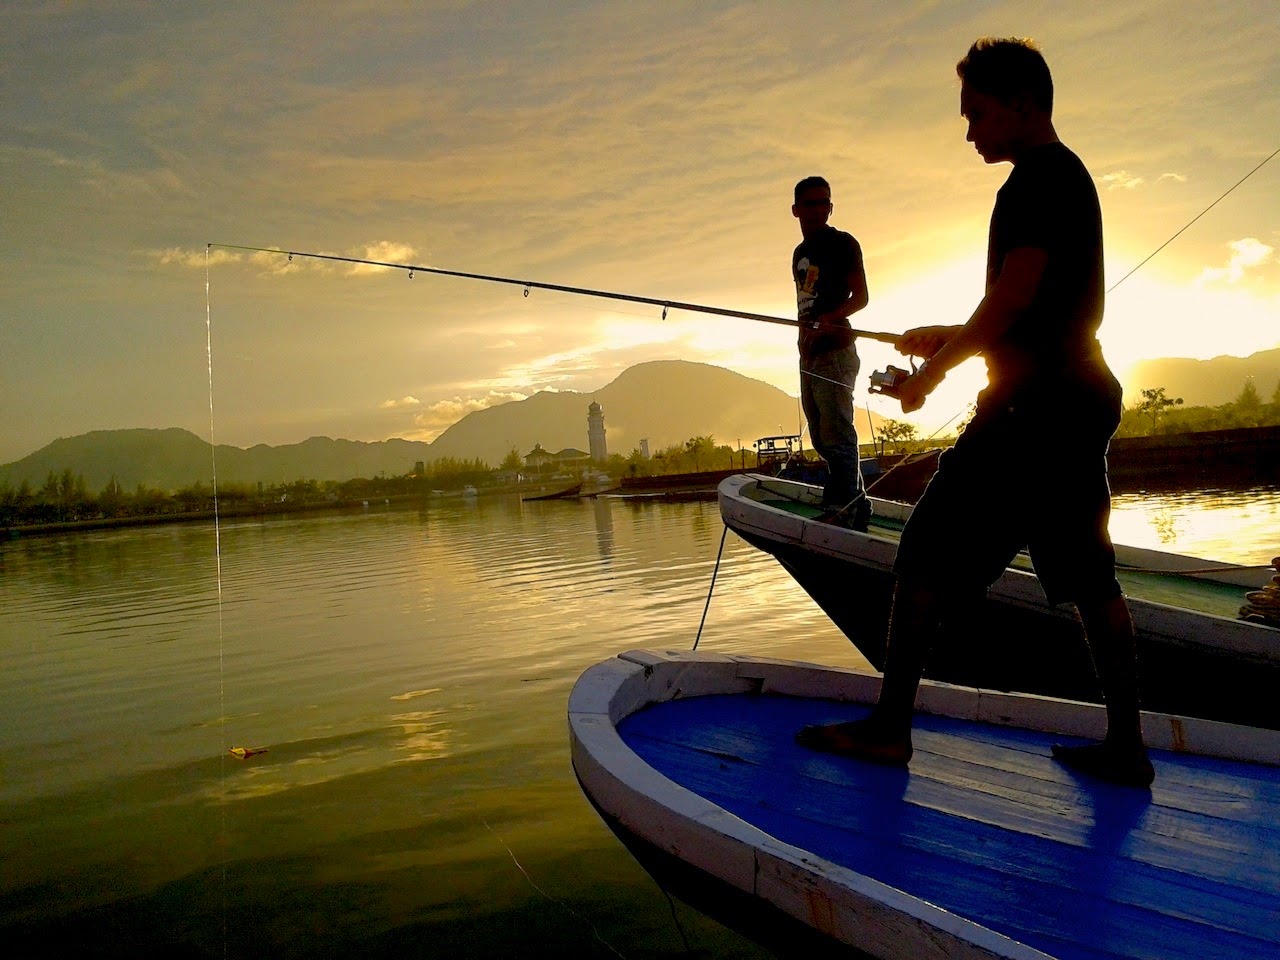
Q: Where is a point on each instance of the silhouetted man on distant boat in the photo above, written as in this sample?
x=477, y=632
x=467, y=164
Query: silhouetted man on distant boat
x=1030, y=468
x=831, y=285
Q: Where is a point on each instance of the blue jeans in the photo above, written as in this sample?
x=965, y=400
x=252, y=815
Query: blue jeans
x=826, y=396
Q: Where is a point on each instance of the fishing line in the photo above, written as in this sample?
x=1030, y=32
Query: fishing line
x=1194, y=219
x=217, y=554
x=560, y=903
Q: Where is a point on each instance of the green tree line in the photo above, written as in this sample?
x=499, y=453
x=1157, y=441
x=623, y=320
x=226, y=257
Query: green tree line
x=65, y=497
x=1155, y=412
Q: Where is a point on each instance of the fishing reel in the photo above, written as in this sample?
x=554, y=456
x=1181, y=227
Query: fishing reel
x=888, y=380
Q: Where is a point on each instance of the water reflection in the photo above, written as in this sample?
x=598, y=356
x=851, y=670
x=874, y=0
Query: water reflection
x=424, y=735
x=603, y=512
x=408, y=671
x=1239, y=526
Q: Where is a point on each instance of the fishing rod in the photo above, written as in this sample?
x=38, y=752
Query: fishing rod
x=528, y=285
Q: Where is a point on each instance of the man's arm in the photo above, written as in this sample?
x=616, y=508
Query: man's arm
x=1013, y=292
x=858, y=296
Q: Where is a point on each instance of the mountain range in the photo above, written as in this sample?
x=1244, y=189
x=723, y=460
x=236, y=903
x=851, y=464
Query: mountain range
x=664, y=401
x=1207, y=383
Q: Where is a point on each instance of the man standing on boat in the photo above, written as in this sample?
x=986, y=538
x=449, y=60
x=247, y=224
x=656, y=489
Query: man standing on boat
x=831, y=285
x=1035, y=450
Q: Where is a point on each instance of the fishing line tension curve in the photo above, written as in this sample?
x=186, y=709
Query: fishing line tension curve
x=528, y=285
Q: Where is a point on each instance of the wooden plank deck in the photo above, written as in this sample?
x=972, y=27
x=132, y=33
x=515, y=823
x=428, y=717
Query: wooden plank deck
x=988, y=826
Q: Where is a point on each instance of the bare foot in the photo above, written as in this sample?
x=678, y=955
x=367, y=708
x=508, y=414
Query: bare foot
x=861, y=739
x=1126, y=766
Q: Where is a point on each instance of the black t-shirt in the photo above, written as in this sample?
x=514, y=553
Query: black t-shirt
x=1050, y=202
x=821, y=266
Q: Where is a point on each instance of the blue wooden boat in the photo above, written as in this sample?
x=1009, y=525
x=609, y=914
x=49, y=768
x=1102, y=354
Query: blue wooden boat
x=1197, y=656
x=985, y=848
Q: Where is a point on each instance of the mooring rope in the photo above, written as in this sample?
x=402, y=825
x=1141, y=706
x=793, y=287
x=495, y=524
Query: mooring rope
x=714, y=573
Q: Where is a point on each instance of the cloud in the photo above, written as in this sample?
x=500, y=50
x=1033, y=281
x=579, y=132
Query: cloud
x=275, y=264
x=397, y=404
x=384, y=251
x=430, y=422
x=1246, y=253
x=193, y=258
x=1120, y=180
x=267, y=262
x=279, y=261
x=1175, y=177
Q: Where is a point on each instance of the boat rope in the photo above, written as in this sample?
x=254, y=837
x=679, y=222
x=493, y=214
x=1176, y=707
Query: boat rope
x=714, y=573
x=1194, y=219
x=666, y=305
x=560, y=903
x=1221, y=568
x=1263, y=606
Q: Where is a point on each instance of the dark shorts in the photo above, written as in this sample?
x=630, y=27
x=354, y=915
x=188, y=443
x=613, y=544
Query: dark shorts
x=1022, y=476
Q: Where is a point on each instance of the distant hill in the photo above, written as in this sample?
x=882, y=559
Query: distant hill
x=666, y=402
x=1206, y=383
x=173, y=458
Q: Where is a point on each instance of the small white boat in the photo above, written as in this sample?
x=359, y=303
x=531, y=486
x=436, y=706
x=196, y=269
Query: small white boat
x=1197, y=656
x=985, y=848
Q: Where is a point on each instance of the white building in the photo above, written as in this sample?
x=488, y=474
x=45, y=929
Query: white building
x=595, y=433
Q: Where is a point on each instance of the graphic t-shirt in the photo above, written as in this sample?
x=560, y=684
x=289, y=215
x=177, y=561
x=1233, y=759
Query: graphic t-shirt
x=821, y=265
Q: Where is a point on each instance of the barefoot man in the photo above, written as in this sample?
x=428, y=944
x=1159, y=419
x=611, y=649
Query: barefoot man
x=1030, y=468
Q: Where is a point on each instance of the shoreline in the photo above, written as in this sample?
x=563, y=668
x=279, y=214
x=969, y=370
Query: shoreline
x=1237, y=459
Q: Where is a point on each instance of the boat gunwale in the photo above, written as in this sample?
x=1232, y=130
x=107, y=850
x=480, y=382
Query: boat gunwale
x=1155, y=619
x=1144, y=559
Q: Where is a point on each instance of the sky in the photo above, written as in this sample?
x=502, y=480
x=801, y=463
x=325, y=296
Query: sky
x=648, y=149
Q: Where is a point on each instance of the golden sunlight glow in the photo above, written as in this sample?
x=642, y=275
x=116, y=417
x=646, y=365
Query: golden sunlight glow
x=1148, y=317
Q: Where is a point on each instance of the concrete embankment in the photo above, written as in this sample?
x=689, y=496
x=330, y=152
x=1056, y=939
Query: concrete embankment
x=1248, y=456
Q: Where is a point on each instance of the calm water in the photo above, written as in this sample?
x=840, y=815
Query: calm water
x=408, y=672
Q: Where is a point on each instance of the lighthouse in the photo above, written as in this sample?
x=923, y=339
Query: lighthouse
x=595, y=433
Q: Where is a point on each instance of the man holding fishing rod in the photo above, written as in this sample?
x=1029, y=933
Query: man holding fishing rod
x=1036, y=447
x=831, y=285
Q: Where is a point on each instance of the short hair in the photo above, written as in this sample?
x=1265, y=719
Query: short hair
x=1005, y=67
x=808, y=183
